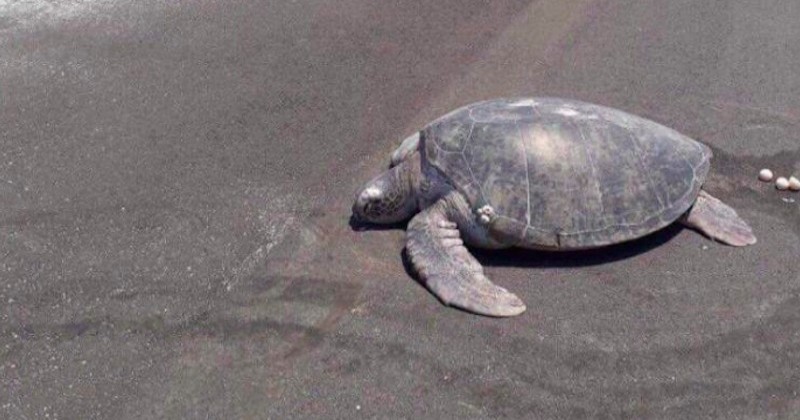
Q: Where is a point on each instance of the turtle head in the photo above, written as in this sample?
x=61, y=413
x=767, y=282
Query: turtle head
x=390, y=197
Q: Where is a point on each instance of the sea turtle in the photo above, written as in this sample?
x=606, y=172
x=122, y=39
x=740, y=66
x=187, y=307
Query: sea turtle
x=538, y=173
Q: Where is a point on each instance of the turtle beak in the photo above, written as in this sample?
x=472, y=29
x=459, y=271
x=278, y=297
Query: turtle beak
x=388, y=198
x=365, y=201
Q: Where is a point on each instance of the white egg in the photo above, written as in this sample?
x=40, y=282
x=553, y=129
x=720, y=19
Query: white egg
x=794, y=184
x=765, y=175
x=782, y=183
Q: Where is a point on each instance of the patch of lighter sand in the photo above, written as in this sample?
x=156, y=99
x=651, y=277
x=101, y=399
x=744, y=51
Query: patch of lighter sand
x=509, y=63
x=15, y=13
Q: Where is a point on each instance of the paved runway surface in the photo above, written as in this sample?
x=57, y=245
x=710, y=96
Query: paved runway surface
x=176, y=181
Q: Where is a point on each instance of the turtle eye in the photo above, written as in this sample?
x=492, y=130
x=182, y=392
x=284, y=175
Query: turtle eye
x=373, y=207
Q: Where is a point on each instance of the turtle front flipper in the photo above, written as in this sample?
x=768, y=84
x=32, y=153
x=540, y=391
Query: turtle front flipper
x=718, y=221
x=406, y=149
x=449, y=271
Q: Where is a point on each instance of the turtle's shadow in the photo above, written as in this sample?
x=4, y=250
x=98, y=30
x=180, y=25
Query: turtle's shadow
x=359, y=226
x=518, y=257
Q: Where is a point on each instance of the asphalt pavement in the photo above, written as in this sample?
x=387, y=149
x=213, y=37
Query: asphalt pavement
x=175, y=189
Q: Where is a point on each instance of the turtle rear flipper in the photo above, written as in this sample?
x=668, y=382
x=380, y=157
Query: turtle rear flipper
x=718, y=221
x=449, y=271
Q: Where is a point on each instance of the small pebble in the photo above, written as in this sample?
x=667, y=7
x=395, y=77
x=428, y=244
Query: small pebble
x=782, y=183
x=765, y=175
x=794, y=184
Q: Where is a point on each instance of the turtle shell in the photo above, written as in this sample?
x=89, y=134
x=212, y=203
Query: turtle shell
x=564, y=174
